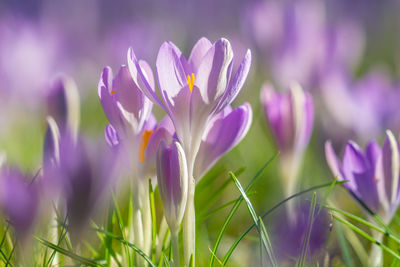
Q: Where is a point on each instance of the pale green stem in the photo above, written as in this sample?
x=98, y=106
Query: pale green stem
x=189, y=220
x=147, y=221
x=175, y=247
x=289, y=168
x=161, y=236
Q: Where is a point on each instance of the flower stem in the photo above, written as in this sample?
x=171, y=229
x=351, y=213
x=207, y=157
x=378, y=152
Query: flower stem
x=175, y=247
x=189, y=226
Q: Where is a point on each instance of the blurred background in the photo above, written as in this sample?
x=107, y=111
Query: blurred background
x=344, y=52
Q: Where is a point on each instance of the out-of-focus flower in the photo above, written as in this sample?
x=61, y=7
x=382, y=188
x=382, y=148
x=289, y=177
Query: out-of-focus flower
x=82, y=177
x=224, y=131
x=367, y=105
x=299, y=43
x=63, y=105
x=290, y=117
x=29, y=58
x=373, y=175
x=194, y=90
x=173, y=182
x=127, y=110
x=19, y=201
x=288, y=236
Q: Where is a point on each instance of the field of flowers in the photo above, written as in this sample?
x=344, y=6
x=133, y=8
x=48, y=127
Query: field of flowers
x=199, y=133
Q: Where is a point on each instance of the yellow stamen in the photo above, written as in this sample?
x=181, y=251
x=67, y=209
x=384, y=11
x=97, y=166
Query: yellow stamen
x=113, y=92
x=190, y=81
x=145, y=141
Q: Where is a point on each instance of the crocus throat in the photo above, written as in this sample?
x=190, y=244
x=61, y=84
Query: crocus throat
x=145, y=141
x=190, y=81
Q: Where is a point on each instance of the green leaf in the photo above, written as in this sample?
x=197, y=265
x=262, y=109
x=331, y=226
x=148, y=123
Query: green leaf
x=123, y=241
x=234, y=209
x=258, y=221
x=366, y=236
x=67, y=253
x=306, y=242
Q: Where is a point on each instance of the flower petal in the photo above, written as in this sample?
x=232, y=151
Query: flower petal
x=224, y=133
x=170, y=71
x=142, y=75
x=199, y=50
x=214, y=71
x=236, y=83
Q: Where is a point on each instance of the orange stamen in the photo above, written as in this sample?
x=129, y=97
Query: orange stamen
x=143, y=145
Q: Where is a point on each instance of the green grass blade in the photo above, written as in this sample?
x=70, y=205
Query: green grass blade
x=344, y=247
x=132, y=246
x=153, y=221
x=234, y=209
x=366, y=236
x=237, y=241
x=69, y=254
x=263, y=234
x=306, y=242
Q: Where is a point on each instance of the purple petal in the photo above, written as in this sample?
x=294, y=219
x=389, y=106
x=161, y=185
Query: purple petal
x=308, y=122
x=236, y=83
x=224, y=134
x=214, y=71
x=199, y=50
x=354, y=162
x=142, y=75
x=107, y=100
x=111, y=136
x=170, y=71
x=19, y=200
x=51, y=145
x=333, y=161
x=278, y=110
x=131, y=98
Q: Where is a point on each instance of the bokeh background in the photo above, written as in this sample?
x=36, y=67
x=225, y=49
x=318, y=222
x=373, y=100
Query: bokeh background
x=344, y=52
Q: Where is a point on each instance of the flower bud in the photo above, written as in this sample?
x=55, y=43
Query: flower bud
x=173, y=182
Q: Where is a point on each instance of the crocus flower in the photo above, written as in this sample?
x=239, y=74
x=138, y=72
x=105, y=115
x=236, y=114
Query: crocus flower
x=63, y=105
x=367, y=105
x=127, y=110
x=19, y=201
x=82, y=177
x=288, y=238
x=192, y=90
x=372, y=175
x=299, y=42
x=290, y=117
x=172, y=176
x=172, y=181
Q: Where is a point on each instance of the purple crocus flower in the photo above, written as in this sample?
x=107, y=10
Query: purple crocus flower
x=367, y=104
x=82, y=176
x=290, y=117
x=193, y=90
x=19, y=201
x=288, y=236
x=298, y=41
x=172, y=181
x=372, y=175
x=128, y=111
